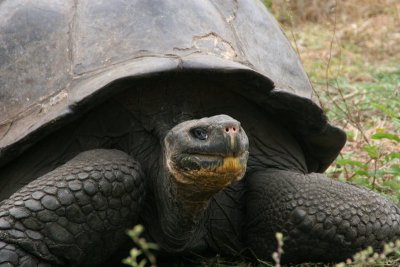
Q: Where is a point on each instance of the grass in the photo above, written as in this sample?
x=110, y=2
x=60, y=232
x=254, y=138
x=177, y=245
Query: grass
x=355, y=69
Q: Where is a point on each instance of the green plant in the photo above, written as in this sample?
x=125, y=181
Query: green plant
x=140, y=255
x=390, y=256
x=377, y=156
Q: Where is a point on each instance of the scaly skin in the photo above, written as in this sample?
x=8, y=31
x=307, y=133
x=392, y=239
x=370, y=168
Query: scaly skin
x=321, y=219
x=78, y=210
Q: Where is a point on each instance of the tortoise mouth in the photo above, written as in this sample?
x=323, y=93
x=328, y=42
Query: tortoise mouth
x=211, y=162
x=209, y=170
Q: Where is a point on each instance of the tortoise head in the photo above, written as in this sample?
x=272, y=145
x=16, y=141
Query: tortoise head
x=204, y=156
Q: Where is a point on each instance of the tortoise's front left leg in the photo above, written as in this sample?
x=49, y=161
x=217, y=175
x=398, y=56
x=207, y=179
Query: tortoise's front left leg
x=321, y=219
x=75, y=215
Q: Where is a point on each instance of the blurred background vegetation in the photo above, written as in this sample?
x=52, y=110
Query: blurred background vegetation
x=351, y=52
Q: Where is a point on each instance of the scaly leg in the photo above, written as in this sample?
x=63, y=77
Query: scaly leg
x=76, y=214
x=321, y=219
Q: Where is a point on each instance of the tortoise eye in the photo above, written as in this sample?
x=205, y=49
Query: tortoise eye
x=200, y=133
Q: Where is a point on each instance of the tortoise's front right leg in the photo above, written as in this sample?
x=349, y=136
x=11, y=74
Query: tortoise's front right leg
x=75, y=215
x=321, y=219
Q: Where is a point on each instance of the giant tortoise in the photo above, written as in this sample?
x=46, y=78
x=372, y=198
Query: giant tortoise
x=193, y=118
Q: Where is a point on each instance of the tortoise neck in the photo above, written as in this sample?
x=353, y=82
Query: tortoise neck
x=179, y=215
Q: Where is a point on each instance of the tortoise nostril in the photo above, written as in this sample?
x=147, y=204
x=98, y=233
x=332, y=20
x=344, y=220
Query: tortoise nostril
x=230, y=129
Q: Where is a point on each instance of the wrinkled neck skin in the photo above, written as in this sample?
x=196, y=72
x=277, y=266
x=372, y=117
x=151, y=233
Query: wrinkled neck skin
x=179, y=217
x=179, y=211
